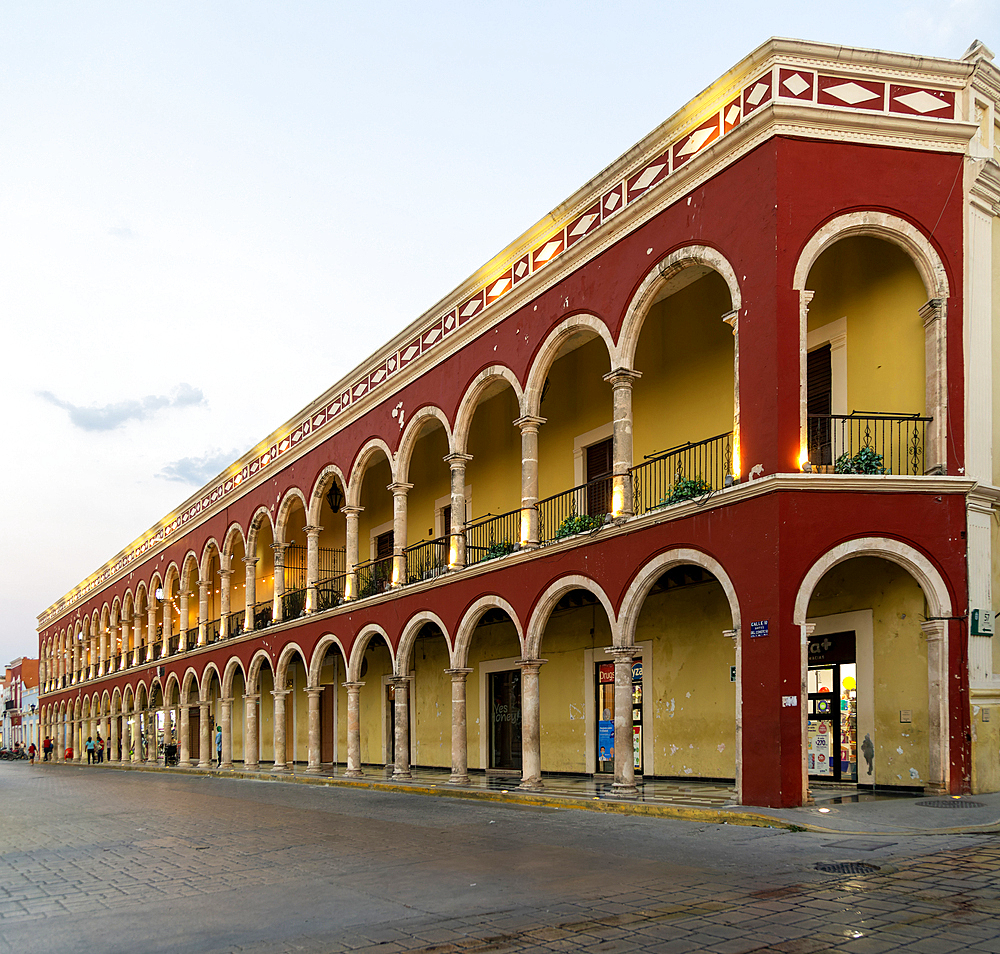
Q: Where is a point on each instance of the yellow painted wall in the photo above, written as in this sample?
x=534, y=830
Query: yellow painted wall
x=492, y=641
x=333, y=534
x=494, y=473
x=995, y=585
x=295, y=525
x=372, y=702
x=377, y=501
x=685, y=354
x=996, y=354
x=238, y=580
x=431, y=696
x=577, y=401
x=238, y=716
x=985, y=749
x=265, y=564
x=900, y=659
x=564, y=684
x=875, y=285
x=265, y=708
x=297, y=717
x=431, y=479
x=694, y=700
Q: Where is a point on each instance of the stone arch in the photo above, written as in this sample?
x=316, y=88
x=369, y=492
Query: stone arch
x=116, y=701
x=660, y=275
x=211, y=547
x=253, y=670
x=320, y=486
x=291, y=495
x=361, y=642
x=547, y=602
x=414, y=427
x=233, y=535
x=288, y=652
x=470, y=619
x=319, y=653
x=204, y=684
x=409, y=637
x=259, y=516
x=173, y=683
x=471, y=398
x=188, y=682
x=232, y=667
x=646, y=577
x=190, y=562
x=546, y=355
x=370, y=449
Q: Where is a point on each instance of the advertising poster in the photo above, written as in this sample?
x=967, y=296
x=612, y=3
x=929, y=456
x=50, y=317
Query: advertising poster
x=605, y=740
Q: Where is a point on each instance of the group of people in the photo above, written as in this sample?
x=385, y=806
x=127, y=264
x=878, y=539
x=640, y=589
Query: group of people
x=95, y=749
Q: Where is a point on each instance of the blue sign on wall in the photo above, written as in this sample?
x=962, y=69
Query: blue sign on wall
x=758, y=628
x=606, y=740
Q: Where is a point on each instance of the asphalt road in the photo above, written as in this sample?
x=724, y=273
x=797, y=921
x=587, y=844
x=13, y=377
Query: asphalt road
x=98, y=860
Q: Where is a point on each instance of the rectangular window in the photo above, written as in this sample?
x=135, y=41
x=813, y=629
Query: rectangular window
x=599, y=462
x=819, y=398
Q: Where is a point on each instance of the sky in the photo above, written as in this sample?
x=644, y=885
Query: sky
x=210, y=212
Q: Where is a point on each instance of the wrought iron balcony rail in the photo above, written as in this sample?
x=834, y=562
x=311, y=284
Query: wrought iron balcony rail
x=235, y=623
x=293, y=604
x=330, y=562
x=427, y=559
x=212, y=630
x=866, y=442
x=263, y=614
x=573, y=511
x=492, y=537
x=374, y=577
x=330, y=592
x=685, y=472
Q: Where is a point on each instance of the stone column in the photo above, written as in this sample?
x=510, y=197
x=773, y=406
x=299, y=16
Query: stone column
x=353, y=516
x=805, y=636
x=168, y=627
x=183, y=620
x=624, y=784
x=203, y=586
x=459, y=728
x=206, y=732
x=167, y=727
x=401, y=726
x=225, y=587
x=278, y=603
x=353, y=728
x=151, y=629
x=184, y=742
x=936, y=634
x=102, y=653
x=529, y=478
x=315, y=757
x=251, y=592
x=251, y=744
x=280, y=738
x=136, y=639
x=126, y=738
x=531, y=753
x=459, y=509
x=312, y=568
x=399, y=492
x=227, y=732
x=111, y=751
x=621, y=381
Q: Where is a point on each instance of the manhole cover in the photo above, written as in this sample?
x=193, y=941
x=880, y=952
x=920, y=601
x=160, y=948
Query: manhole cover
x=847, y=867
x=949, y=803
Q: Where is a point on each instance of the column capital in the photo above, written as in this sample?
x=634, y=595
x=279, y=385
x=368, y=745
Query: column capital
x=204, y=583
x=251, y=697
x=226, y=700
x=529, y=664
x=732, y=318
x=352, y=511
x=203, y=705
x=622, y=377
x=352, y=685
x=630, y=652
x=225, y=574
x=399, y=488
x=458, y=673
x=280, y=692
x=530, y=422
x=399, y=680
x=934, y=629
x=279, y=548
x=931, y=310
x=456, y=460
x=314, y=690
x=250, y=561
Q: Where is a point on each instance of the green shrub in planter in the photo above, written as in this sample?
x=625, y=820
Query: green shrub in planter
x=685, y=488
x=865, y=461
x=579, y=523
x=499, y=550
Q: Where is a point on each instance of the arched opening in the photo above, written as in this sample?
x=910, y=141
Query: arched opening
x=263, y=687
x=188, y=603
x=331, y=559
x=493, y=474
x=237, y=692
x=427, y=502
x=235, y=555
x=872, y=659
x=376, y=703
x=575, y=445
x=332, y=673
x=683, y=404
x=211, y=692
x=263, y=554
x=172, y=623
x=293, y=678
x=376, y=536
x=423, y=675
x=866, y=379
x=210, y=596
x=292, y=580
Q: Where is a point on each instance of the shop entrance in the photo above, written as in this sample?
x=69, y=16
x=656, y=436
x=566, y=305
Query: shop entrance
x=505, y=721
x=833, y=708
x=605, y=682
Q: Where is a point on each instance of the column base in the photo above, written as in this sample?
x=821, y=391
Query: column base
x=353, y=773
x=531, y=785
x=624, y=790
x=938, y=789
x=226, y=767
x=406, y=774
x=280, y=770
x=459, y=779
x=314, y=769
x=252, y=766
x=206, y=765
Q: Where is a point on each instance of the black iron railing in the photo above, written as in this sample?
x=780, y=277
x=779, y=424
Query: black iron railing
x=175, y=645
x=212, y=629
x=864, y=442
x=263, y=613
x=374, y=577
x=293, y=604
x=686, y=472
x=330, y=562
x=427, y=559
x=577, y=510
x=235, y=623
x=492, y=537
x=191, y=638
x=330, y=592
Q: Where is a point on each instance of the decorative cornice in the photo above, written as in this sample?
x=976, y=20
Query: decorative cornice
x=783, y=87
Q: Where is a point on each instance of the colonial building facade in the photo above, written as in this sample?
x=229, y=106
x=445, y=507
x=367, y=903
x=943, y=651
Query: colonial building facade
x=702, y=464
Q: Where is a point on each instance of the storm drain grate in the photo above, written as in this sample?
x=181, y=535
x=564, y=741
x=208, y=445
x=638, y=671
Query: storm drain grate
x=949, y=803
x=847, y=867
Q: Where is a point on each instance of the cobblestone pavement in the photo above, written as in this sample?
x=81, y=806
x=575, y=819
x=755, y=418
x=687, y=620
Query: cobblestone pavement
x=107, y=861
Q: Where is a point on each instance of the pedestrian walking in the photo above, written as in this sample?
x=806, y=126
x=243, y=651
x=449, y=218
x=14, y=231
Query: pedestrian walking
x=100, y=749
x=218, y=744
x=91, y=750
x=31, y=752
x=46, y=749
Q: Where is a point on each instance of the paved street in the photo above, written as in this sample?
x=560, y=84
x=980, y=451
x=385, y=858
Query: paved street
x=100, y=860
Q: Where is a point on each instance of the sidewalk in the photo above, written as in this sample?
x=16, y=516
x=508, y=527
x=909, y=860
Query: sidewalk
x=845, y=809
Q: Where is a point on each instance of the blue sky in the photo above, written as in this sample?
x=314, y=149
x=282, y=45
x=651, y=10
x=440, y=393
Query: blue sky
x=212, y=211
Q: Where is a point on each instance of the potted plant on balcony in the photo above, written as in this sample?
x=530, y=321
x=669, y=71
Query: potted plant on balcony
x=685, y=488
x=579, y=523
x=865, y=461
